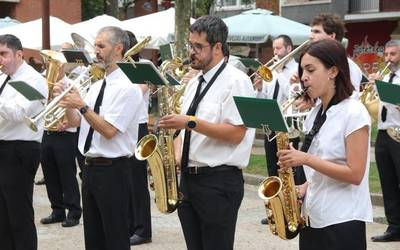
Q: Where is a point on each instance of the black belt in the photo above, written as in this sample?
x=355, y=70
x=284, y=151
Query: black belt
x=102, y=161
x=207, y=169
x=47, y=132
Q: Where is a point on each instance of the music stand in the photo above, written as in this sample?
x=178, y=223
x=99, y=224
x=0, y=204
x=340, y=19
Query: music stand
x=264, y=114
x=251, y=63
x=143, y=72
x=78, y=56
x=388, y=92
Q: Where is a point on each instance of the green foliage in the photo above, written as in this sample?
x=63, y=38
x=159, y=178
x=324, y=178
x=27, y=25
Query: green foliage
x=92, y=8
x=202, y=7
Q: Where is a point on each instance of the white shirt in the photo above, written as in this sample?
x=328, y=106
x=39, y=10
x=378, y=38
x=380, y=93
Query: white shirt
x=329, y=201
x=392, y=115
x=119, y=108
x=355, y=77
x=144, y=106
x=284, y=83
x=218, y=106
x=14, y=107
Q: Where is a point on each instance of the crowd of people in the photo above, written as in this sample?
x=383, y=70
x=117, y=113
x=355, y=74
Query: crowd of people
x=212, y=145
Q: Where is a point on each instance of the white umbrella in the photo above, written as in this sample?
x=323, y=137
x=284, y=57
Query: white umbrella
x=89, y=28
x=257, y=26
x=30, y=33
x=160, y=26
x=7, y=21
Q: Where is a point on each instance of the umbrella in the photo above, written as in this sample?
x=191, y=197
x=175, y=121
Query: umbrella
x=160, y=26
x=30, y=33
x=7, y=21
x=258, y=25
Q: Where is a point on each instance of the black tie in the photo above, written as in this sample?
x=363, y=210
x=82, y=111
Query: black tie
x=276, y=90
x=186, y=140
x=384, y=110
x=96, y=109
x=4, y=84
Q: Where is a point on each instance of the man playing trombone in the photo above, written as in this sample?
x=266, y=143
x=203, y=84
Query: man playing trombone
x=19, y=148
x=108, y=122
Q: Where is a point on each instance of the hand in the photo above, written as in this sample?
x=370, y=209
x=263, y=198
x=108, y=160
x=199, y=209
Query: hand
x=58, y=88
x=303, y=104
x=301, y=191
x=374, y=76
x=174, y=121
x=258, y=83
x=72, y=100
x=62, y=126
x=294, y=78
x=290, y=157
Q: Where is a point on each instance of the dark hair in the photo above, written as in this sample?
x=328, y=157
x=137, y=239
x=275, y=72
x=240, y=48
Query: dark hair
x=117, y=35
x=214, y=27
x=286, y=40
x=332, y=53
x=331, y=23
x=12, y=42
x=132, y=42
x=225, y=50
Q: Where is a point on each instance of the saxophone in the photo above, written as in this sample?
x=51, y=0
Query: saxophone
x=280, y=195
x=159, y=152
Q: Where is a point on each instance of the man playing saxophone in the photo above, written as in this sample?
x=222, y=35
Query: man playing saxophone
x=336, y=154
x=108, y=122
x=215, y=144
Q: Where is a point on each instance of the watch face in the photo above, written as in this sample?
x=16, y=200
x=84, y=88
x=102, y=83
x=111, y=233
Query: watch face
x=191, y=124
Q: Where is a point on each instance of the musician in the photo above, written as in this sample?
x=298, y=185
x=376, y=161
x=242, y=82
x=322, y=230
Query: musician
x=19, y=147
x=59, y=170
x=336, y=195
x=108, y=132
x=330, y=26
x=215, y=144
x=387, y=150
x=140, y=213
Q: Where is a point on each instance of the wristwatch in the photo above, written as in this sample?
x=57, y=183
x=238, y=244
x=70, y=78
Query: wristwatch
x=84, y=109
x=191, y=124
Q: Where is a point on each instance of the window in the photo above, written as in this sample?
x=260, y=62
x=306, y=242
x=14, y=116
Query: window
x=234, y=4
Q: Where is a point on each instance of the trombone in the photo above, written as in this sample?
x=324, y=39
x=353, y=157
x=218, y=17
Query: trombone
x=265, y=70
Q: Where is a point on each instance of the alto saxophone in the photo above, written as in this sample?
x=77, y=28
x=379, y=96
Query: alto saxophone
x=159, y=151
x=280, y=195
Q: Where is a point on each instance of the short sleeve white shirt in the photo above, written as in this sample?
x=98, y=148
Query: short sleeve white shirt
x=392, y=115
x=329, y=201
x=120, y=106
x=218, y=106
x=355, y=77
x=14, y=107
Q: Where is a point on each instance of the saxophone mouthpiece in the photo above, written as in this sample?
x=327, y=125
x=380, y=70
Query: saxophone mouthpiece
x=187, y=61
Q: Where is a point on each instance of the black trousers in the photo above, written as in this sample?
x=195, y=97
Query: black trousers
x=208, y=212
x=19, y=162
x=342, y=236
x=387, y=155
x=59, y=169
x=270, y=153
x=105, y=195
x=140, y=213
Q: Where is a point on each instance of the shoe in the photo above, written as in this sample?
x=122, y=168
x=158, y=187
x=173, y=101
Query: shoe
x=264, y=221
x=69, y=222
x=137, y=240
x=386, y=236
x=52, y=219
x=40, y=182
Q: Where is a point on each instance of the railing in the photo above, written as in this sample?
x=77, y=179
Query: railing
x=364, y=6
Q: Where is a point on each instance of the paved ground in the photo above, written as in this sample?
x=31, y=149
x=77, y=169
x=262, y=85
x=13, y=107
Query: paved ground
x=167, y=234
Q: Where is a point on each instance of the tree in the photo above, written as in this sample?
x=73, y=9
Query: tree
x=111, y=7
x=182, y=23
x=202, y=7
x=92, y=8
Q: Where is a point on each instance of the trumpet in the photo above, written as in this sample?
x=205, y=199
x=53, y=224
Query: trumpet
x=265, y=70
x=51, y=106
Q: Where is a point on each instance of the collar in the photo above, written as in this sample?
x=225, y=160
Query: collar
x=114, y=76
x=20, y=71
x=207, y=76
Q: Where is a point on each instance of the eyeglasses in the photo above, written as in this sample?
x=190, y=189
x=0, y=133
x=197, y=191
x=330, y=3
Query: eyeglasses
x=196, y=47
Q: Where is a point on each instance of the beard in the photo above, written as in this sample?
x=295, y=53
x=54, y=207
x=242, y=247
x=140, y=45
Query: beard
x=200, y=64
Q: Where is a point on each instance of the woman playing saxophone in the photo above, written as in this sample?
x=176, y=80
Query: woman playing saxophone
x=336, y=154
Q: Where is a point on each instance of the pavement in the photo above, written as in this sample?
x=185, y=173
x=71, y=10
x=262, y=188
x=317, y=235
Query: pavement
x=167, y=232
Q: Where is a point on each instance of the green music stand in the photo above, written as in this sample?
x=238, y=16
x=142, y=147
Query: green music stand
x=388, y=92
x=265, y=114
x=78, y=56
x=26, y=90
x=251, y=63
x=143, y=72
